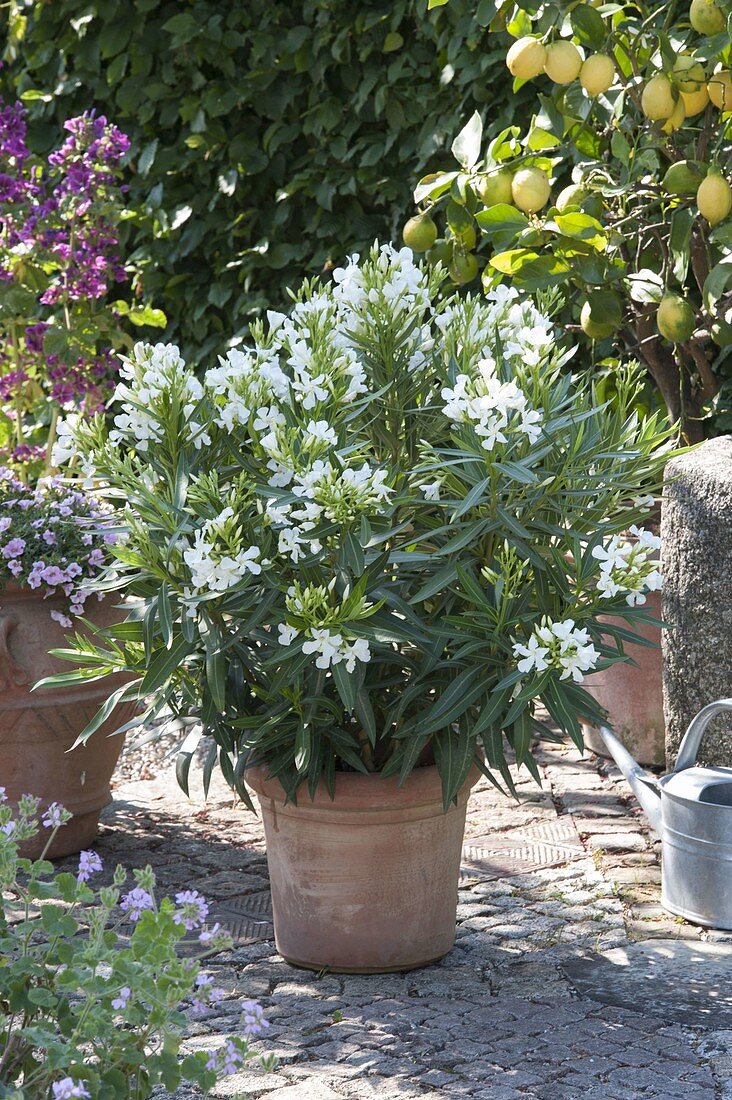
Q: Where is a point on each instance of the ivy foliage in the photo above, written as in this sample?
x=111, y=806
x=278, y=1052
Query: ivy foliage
x=269, y=137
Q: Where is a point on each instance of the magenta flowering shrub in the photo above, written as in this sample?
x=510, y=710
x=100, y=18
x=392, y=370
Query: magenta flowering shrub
x=52, y=538
x=59, y=261
x=95, y=995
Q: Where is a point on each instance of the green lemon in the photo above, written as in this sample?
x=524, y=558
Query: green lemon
x=420, y=233
x=495, y=187
x=596, y=330
x=464, y=268
x=675, y=319
x=682, y=178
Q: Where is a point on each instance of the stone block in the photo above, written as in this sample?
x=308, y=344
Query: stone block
x=696, y=531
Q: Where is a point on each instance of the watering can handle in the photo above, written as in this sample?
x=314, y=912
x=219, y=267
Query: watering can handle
x=697, y=727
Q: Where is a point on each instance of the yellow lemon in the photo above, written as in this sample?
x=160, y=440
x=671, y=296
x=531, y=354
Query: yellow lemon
x=720, y=88
x=563, y=62
x=526, y=57
x=714, y=197
x=689, y=75
x=676, y=118
x=530, y=189
x=495, y=187
x=657, y=99
x=694, y=102
x=675, y=319
x=420, y=233
x=597, y=74
x=574, y=195
x=707, y=17
x=596, y=330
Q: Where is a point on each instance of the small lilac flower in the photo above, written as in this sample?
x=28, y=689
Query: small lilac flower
x=194, y=911
x=135, y=902
x=5, y=522
x=205, y=994
x=3, y=796
x=120, y=1002
x=15, y=567
x=213, y=1060
x=209, y=934
x=53, y=576
x=67, y=1088
x=8, y=829
x=13, y=549
x=232, y=1059
x=64, y=620
x=54, y=816
x=49, y=537
x=253, y=1018
x=89, y=863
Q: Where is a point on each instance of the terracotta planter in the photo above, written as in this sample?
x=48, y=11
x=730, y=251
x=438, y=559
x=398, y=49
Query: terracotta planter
x=366, y=882
x=633, y=695
x=37, y=729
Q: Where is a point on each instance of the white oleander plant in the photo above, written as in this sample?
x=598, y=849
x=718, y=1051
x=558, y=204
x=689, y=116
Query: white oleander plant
x=378, y=536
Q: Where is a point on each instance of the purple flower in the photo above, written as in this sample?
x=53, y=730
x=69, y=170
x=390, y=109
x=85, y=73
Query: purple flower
x=135, y=902
x=253, y=1018
x=232, y=1059
x=13, y=549
x=89, y=864
x=54, y=816
x=194, y=911
x=120, y=1001
x=209, y=934
x=49, y=537
x=205, y=993
x=8, y=829
x=62, y=620
x=3, y=796
x=67, y=1089
x=53, y=576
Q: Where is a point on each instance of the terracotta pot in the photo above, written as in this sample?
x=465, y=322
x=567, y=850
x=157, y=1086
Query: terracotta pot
x=37, y=729
x=366, y=882
x=633, y=695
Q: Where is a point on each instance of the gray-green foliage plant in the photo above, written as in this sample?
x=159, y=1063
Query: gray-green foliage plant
x=379, y=535
x=94, y=993
x=269, y=137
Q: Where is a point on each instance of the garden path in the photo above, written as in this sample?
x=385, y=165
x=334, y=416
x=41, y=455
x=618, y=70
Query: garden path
x=567, y=980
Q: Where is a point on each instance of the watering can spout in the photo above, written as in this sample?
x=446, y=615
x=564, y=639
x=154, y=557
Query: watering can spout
x=644, y=786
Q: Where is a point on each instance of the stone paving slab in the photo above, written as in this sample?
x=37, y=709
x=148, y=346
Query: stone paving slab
x=564, y=879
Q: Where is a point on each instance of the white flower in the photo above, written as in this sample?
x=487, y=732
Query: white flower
x=431, y=490
x=320, y=431
x=329, y=647
x=534, y=655
x=560, y=646
x=630, y=566
x=356, y=651
x=287, y=633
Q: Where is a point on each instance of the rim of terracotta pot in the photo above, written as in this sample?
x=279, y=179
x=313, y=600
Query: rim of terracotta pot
x=358, y=793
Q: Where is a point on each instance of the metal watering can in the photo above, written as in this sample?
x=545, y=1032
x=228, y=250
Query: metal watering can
x=691, y=810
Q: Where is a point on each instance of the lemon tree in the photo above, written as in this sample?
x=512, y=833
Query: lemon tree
x=618, y=192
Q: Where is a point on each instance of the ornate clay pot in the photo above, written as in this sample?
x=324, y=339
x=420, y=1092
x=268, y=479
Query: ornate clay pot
x=365, y=882
x=38, y=728
x=633, y=695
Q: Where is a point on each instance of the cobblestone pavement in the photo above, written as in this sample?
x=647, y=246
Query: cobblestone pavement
x=565, y=879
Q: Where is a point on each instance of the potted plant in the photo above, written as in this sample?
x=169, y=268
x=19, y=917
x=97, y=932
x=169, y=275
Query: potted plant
x=60, y=260
x=366, y=549
x=54, y=542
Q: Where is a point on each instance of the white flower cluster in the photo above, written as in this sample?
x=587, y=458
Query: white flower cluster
x=399, y=283
x=331, y=647
x=630, y=566
x=561, y=646
x=473, y=328
x=154, y=373
x=245, y=384
x=493, y=407
x=214, y=566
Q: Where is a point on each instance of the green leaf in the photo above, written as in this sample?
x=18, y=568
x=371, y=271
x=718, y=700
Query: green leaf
x=466, y=146
x=716, y=284
x=434, y=185
x=454, y=754
x=163, y=663
x=146, y=315
x=589, y=26
x=501, y=223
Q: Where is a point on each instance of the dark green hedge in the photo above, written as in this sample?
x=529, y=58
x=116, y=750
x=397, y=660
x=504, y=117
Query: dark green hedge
x=270, y=137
